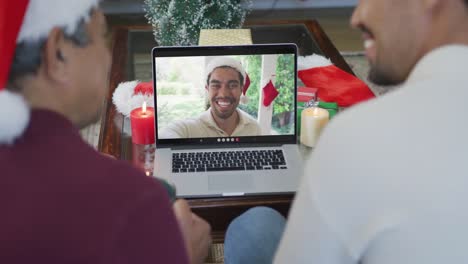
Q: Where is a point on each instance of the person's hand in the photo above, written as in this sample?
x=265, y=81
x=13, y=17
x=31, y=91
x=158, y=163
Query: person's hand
x=195, y=230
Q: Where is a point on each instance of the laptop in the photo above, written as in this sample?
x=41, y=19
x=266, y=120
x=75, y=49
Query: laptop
x=210, y=140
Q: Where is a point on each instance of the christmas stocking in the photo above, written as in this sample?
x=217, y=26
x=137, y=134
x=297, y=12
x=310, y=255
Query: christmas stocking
x=269, y=93
x=333, y=84
x=244, y=99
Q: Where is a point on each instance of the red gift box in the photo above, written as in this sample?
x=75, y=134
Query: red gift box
x=305, y=94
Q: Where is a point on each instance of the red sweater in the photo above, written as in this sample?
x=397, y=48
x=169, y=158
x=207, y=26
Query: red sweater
x=63, y=202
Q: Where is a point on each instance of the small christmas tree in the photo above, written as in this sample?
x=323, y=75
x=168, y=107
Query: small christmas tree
x=178, y=22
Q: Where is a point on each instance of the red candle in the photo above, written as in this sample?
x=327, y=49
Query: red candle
x=142, y=122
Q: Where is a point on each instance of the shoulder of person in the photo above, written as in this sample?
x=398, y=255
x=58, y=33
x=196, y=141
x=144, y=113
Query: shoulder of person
x=176, y=129
x=358, y=124
x=143, y=216
x=350, y=147
x=188, y=122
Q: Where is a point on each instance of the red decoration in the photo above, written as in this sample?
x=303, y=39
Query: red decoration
x=142, y=122
x=246, y=84
x=306, y=94
x=145, y=88
x=269, y=93
x=336, y=85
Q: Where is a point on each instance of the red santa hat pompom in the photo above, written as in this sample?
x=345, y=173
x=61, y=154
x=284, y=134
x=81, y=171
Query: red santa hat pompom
x=233, y=63
x=29, y=20
x=14, y=114
x=332, y=83
x=130, y=95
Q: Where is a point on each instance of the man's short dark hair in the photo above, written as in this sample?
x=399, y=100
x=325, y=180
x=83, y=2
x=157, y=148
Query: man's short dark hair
x=466, y=2
x=28, y=54
x=241, y=78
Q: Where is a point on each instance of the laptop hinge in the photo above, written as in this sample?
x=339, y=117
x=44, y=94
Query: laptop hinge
x=222, y=146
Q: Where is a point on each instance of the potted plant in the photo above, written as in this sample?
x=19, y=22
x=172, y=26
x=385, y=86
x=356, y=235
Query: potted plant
x=178, y=22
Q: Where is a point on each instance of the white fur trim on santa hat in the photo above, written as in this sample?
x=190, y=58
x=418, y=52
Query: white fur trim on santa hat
x=43, y=15
x=312, y=61
x=14, y=116
x=125, y=100
x=224, y=61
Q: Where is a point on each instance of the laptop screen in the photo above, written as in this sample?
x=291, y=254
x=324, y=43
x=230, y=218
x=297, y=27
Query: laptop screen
x=225, y=95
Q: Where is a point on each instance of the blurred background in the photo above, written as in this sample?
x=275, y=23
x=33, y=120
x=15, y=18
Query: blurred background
x=333, y=15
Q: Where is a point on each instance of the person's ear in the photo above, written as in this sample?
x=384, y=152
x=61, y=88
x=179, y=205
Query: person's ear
x=55, y=57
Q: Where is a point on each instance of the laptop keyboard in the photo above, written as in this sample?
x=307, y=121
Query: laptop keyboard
x=228, y=161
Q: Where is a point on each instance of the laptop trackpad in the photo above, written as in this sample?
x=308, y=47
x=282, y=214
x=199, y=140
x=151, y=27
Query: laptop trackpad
x=230, y=182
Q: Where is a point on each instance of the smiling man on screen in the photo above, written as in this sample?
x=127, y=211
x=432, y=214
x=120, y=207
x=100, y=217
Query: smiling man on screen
x=224, y=83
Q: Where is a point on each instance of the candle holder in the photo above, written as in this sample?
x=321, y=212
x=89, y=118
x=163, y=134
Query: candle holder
x=143, y=157
x=313, y=120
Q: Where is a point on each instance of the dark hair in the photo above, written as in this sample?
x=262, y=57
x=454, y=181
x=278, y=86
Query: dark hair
x=466, y=2
x=28, y=54
x=241, y=78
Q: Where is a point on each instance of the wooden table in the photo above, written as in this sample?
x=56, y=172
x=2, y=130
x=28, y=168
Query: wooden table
x=135, y=42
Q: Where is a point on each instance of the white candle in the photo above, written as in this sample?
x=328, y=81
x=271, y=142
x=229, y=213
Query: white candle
x=313, y=120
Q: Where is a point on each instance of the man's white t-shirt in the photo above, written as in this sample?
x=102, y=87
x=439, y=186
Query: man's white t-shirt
x=388, y=181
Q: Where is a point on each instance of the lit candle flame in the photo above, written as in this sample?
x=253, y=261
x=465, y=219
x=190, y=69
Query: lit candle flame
x=144, y=108
x=316, y=111
x=148, y=173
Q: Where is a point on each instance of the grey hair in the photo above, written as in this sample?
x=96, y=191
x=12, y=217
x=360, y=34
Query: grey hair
x=28, y=54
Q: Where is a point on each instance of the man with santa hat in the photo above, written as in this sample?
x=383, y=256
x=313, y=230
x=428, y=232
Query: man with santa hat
x=60, y=200
x=225, y=84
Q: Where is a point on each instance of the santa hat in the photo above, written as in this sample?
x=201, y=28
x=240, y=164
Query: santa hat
x=332, y=83
x=130, y=95
x=29, y=20
x=233, y=63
